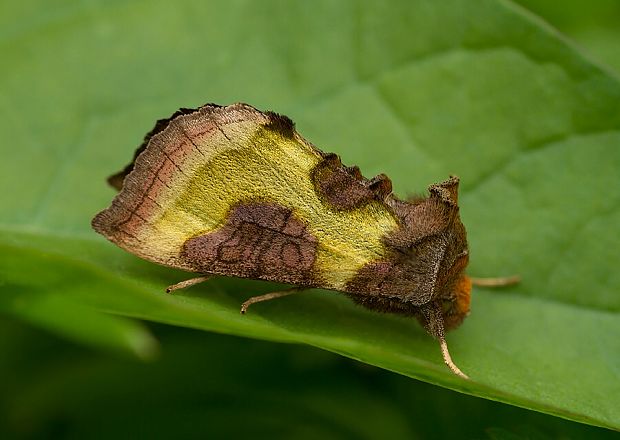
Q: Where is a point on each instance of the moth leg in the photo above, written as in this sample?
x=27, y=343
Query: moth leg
x=496, y=282
x=268, y=296
x=187, y=283
x=435, y=326
x=448, y=360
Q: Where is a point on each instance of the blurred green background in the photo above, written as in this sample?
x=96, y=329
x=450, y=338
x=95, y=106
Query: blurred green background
x=78, y=384
x=205, y=385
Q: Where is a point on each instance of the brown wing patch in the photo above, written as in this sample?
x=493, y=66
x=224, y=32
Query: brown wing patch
x=259, y=240
x=345, y=188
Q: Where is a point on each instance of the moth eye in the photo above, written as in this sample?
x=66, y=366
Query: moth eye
x=447, y=304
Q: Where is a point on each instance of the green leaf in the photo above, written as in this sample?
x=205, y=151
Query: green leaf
x=415, y=89
x=593, y=25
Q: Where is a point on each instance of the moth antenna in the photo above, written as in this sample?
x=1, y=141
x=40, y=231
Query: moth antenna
x=496, y=282
x=448, y=360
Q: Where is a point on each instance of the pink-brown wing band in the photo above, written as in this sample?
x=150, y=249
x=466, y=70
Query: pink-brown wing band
x=168, y=159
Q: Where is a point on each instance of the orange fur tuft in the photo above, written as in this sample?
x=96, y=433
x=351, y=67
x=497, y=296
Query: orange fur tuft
x=460, y=309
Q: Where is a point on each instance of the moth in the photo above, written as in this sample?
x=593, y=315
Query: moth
x=231, y=190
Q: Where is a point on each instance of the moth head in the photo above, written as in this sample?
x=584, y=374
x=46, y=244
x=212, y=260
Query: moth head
x=453, y=287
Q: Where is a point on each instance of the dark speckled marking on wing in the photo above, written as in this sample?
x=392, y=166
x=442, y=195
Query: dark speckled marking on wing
x=259, y=240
